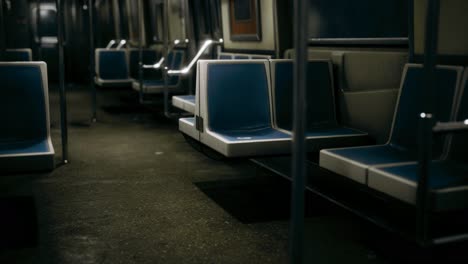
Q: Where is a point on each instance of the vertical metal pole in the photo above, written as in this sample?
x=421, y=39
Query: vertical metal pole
x=140, y=51
x=2, y=33
x=166, y=52
x=38, y=29
x=91, y=61
x=63, y=95
x=117, y=19
x=301, y=12
x=425, y=149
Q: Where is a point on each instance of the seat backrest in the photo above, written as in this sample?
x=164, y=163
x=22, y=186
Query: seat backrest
x=367, y=71
x=311, y=54
x=18, y=55
x=24, y=105
x=225, y=56
x=320, y=95
x=241, y=57
x=412, y=99
x=111, y=64
x=238, y=96
x=260, y=57
x=150, y=56
x=369, y=79
x=459, y=142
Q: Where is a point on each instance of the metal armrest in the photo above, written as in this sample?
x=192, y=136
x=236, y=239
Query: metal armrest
x=110, y=44
x=189, y=67
x=450, y=127
x=122, y=43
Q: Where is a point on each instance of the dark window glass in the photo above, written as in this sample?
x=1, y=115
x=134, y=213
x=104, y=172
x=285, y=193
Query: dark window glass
x=242, y=10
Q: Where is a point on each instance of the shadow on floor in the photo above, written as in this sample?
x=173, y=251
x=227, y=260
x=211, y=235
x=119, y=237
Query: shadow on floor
x=18, y=222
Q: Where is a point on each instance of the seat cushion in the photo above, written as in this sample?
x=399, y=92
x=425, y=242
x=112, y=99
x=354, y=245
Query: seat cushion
x=154, y=83
x=25, y=156
x=334, y=137
x=333, y=132
x=448, y=182
x=24, y=147
x=112, y=83
x=252, y=135
x=184, y=102
x=260, y=142
x=355, y=162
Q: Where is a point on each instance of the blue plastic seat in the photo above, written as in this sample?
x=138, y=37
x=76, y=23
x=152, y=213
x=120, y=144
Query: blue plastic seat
x=155, y=86
x=448, y=178
x=25, y=143
x=323, y=130
x=187, y=102
x=354, y=163
x=112, y=68
x=18, y=55
x=235, y=107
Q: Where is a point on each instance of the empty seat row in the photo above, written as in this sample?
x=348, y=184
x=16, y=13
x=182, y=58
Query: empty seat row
x=365, y=79
x=25, y=142
x=239, y=105
x=392, y=168
x=121, y=68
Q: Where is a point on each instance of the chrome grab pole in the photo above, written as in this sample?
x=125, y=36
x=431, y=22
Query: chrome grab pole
x=91, y=61
x=140, y=52
x=155, y=66
x=426, y=122
x=63, y=94
x=296, y=240
x=2, y=33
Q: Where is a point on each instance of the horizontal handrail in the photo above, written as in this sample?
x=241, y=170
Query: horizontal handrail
x=159, y=64
x=154, y=66
x=202, y=50
x=450, y=127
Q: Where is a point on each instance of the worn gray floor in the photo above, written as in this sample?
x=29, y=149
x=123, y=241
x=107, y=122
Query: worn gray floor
x=136, y=192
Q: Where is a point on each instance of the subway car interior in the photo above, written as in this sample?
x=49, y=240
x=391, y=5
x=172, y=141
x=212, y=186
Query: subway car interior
x=233, y=131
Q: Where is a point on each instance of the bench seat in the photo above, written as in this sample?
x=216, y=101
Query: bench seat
x=448, y=183
x=355, y=163
x=184, y=102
